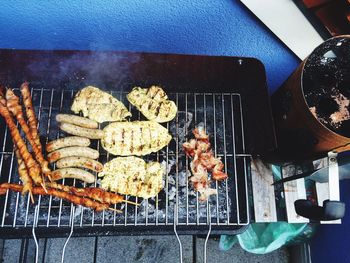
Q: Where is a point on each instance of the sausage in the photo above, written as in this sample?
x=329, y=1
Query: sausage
x=66, y=142
x=77, y=120
x=73, y=173
x=80, y=162
x=72, y=151
x=80, y=131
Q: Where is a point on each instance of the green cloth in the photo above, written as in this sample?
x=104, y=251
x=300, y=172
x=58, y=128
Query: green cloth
x=262, y=238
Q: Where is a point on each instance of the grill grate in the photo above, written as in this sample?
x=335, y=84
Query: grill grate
x=177, y=203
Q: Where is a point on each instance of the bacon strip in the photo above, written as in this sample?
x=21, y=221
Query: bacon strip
x=25, y=178
x=94, y=193
x=13, y=104
x=77, y=200
x=31, y=165
x=32, y=120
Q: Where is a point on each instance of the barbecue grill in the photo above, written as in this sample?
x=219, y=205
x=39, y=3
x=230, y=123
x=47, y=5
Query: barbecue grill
x=227, y=95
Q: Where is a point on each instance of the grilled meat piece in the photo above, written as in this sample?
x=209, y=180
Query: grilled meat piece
x=203, y=162
x=99, y=105
x=153, y=103
x=31, y=165
x=15, y=107
x=77, y=200
x=132, y=176
x=134, y=138
x=94, y=193
x=30, y=113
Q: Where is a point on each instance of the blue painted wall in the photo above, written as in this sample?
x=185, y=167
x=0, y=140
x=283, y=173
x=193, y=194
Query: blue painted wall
x=209, y=27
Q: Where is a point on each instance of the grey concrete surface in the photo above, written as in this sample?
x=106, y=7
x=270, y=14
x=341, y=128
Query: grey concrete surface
x=79, y=249
x=138, y=249
x=144, y=249
x=236, y=254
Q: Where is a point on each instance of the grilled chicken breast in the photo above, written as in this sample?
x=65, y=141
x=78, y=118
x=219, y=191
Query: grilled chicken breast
x=134, y=138
x=98, y=105
x=153, y=103
x=132, y=176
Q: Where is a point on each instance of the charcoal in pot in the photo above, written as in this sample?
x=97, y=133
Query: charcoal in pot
x=326, y=79
x=326, y=74
x=344, y=87
x=326, y=107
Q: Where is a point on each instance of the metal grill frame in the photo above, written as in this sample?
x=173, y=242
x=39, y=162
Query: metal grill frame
x=167, y=227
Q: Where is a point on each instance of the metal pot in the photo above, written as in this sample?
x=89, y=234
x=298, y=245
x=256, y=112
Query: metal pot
x=301, y=133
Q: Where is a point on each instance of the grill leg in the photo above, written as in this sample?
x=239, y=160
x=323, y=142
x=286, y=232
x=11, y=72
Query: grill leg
x=70, y=234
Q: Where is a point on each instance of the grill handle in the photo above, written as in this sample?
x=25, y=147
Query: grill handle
x=70, y=233
x=331, y=210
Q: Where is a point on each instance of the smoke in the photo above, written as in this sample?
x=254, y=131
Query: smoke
x=107, y=70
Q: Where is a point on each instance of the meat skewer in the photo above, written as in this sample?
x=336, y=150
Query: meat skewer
x=30, y=113
x=25, y=178
x=203, y=162
x=94, y=193
x=77, y=200
x=13, y=105
x=32, y=167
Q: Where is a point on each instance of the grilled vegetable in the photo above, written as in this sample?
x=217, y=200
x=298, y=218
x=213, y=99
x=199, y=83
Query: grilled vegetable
x=80, y=131
x=134, y=138
x=99, y=105
x=73, y=173
x=82, y=162
x=67, y=141
x=77, y=120
x=132, y=176
x=72, y=151
x=153, y=103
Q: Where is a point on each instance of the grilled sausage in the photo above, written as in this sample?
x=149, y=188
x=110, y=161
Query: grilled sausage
x=66, y=142
x=73, y=173
x=80, y=131
x=77, y=120
x=72, y=151
x=80, y=162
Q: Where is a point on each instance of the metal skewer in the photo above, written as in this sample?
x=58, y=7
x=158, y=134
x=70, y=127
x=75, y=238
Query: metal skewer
x=177, y=236
x=206, y=239
x=35, y=224
x=70, y=234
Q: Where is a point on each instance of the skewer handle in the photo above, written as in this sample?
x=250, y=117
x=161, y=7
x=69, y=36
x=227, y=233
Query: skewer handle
x=205, y=244
x=70, y=234
x=35, y=223
x=175, y=231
